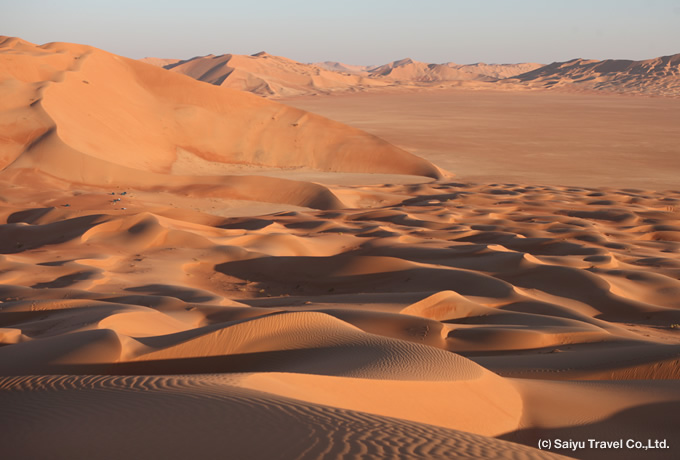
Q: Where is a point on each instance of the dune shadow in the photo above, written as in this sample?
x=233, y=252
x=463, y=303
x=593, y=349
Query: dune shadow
x=182, y=293
x=15, y=238
x=29, y=216
x=316, y=361
x=645, y=423
x=343, y=274
x=245, y=223
x=68, y=280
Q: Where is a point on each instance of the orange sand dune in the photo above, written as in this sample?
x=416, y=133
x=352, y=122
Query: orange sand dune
x=159, y=300
x=430, y=312
x=75, y=102
x=220, y=415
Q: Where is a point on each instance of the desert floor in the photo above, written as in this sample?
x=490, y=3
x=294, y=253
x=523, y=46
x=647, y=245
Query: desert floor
x=533, y=297
x=529, y=137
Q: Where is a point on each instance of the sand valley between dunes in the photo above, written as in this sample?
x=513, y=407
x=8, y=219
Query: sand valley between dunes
x=189, y=271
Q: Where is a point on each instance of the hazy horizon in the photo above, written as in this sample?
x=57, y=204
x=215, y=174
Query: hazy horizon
x=360, y=33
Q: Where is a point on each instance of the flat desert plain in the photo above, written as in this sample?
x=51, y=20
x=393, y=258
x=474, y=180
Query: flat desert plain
x=190, y=271
x=591, y=139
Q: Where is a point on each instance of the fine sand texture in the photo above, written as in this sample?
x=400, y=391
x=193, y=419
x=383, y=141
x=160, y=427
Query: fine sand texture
x=189, y=271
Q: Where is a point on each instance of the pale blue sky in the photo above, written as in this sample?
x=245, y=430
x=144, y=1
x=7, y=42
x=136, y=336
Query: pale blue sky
x=358, y=31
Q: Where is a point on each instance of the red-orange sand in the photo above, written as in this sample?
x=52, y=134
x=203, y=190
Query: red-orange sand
x=188, y=271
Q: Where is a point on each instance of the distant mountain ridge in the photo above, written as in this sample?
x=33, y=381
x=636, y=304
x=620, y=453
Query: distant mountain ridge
x=659, y=76
x=265, y=74
x=275, y=76
x=410, y=70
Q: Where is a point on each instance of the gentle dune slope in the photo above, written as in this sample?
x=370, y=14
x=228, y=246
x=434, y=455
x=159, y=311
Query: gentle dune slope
x=659, y=76
x=83, y=115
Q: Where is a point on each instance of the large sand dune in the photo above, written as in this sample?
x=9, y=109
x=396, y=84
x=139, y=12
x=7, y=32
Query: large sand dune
x=80, y=114
x=152, y=304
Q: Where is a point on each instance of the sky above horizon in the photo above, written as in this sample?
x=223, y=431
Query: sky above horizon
x=358, y=32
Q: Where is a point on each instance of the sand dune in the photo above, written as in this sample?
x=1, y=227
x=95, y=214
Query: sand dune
x=92, y=404
x=659, y=76
x=75, y=102
x=400, y=312
x=166, y=289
